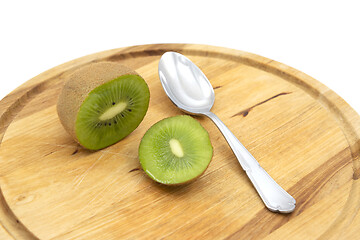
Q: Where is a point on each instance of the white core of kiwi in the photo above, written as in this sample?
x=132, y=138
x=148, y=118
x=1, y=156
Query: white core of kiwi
x=113, y=111
x=176, y=148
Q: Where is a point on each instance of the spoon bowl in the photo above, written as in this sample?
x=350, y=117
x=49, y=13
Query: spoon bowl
x=189, y=89
x=187, y=85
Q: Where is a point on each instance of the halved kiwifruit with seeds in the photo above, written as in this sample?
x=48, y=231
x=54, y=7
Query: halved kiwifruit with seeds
x=175, y=150
x=102, y=103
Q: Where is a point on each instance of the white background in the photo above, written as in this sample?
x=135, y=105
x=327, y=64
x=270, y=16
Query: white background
x=319, y=38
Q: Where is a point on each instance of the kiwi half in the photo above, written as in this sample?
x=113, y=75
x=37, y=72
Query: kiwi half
x=102, y=103
x=175, y=150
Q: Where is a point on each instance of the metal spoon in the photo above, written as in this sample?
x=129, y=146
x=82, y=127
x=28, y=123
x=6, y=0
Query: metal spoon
x=190, y=90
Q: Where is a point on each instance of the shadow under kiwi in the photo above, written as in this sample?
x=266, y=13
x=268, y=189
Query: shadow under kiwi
x=174, y=189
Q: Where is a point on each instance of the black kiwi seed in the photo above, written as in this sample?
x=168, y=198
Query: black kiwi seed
x=80, y=108
x=122, y=115
x=129, y=110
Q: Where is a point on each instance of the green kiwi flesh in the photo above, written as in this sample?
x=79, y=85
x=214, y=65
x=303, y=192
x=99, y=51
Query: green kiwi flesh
x=111, y=111
x=175, y=150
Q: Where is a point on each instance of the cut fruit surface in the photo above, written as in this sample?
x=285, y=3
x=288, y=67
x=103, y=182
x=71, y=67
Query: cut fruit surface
x=102, y=103
x=112, y=111
x=175, y=150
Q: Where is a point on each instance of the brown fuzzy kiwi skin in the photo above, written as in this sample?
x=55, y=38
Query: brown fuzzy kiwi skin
x=79, y=84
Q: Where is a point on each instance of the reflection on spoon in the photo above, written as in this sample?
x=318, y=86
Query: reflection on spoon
x=190, y=90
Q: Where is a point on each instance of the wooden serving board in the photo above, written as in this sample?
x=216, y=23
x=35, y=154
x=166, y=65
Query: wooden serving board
x=303, y=134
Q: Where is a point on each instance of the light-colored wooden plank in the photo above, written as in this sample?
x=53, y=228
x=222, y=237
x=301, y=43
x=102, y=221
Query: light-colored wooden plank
x=301, y=132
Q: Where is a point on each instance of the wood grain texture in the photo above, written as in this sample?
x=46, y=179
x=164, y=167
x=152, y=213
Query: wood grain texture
x=303, y=134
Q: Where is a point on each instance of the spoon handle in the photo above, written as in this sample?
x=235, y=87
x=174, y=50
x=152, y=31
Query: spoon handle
x=275, y=198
